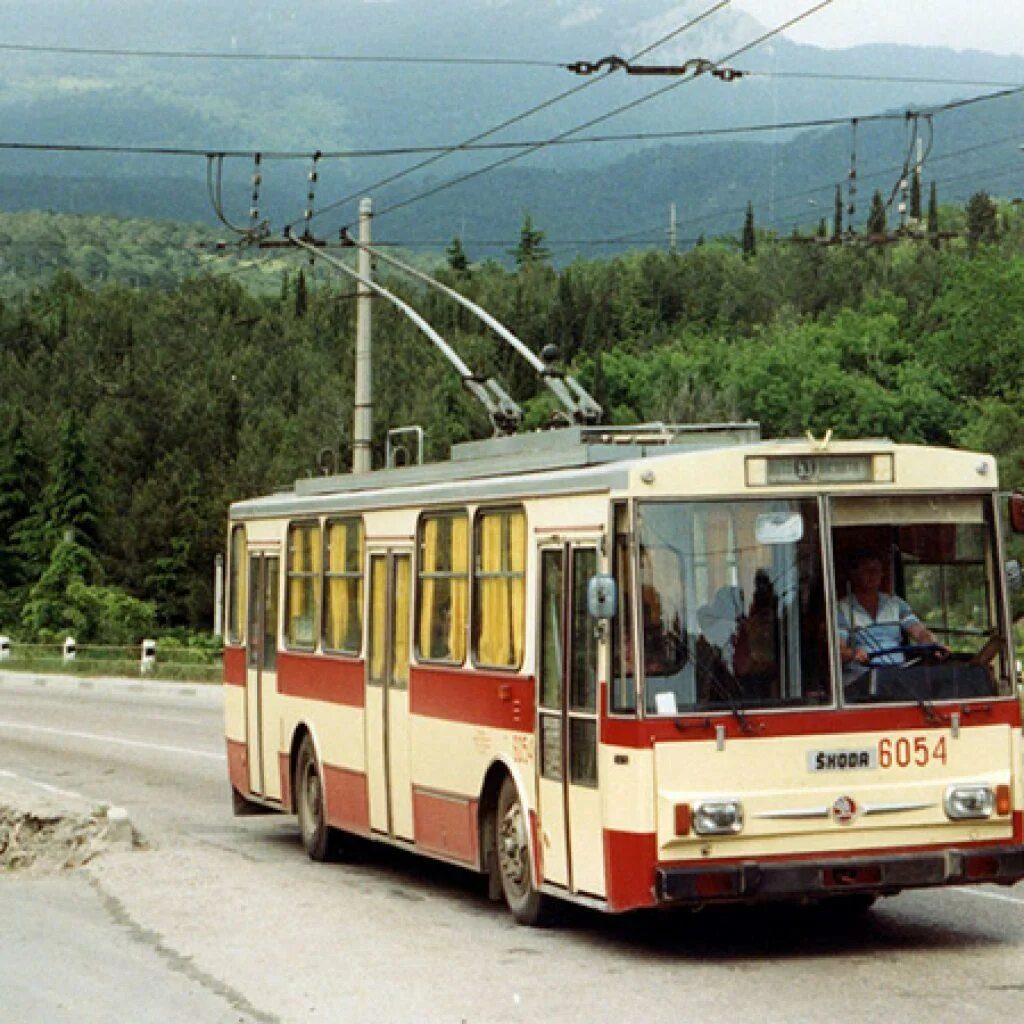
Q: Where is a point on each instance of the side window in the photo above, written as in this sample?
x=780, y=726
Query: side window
x=236, y=587
x=303, y=595
x=499, y=588
x=442, y=592
x=343, y=586
x=623, y=664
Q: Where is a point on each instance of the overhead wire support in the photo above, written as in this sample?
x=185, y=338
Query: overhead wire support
x=695, y=65
x=578, y=404
x=503, y=412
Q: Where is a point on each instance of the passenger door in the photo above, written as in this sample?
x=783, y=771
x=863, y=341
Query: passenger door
x=387, y=694
x=568, y=799
x=261, y=674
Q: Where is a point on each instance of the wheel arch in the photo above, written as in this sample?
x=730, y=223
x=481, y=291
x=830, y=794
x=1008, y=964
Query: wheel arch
x=499, y=770
x=299, y=733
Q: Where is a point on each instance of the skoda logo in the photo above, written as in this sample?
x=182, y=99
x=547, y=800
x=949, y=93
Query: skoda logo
x=844, y=810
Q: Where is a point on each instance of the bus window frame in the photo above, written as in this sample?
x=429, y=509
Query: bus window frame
x=998, y=592
x=454, y=512
x=237, y=637
x=471, y=650
x=317, y=578
x=326, y=577
x=828, y=582
x=633, y=626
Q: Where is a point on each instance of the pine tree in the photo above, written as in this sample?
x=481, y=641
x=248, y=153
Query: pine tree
x=301, y=298
x=530, y=251
x=16, y=494
x=837, y=217
x=876, y=215
x=748, y=241
x=456, y=256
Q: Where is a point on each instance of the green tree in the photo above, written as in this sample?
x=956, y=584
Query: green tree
x=531, y=250
x=748, y=240
x=17, y=491
x=456, y=256
x=982, y=223
x=876, y=215
x=915, y=194
x=301, y=296
x=822, y=228
x=933, y=215
x=837, y=216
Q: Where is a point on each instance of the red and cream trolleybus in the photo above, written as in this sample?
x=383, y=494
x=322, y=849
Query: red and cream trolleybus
x=636, y=668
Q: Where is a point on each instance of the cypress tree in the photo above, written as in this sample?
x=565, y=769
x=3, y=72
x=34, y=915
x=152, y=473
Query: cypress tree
x=837, y=217
x=822, y=228
x=915, y=194
x=748, y=241
x=876, y=215
x=933, y=215
x=301, y=298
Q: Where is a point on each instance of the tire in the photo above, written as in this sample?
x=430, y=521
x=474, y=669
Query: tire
x=511, y=837
x=318, y=839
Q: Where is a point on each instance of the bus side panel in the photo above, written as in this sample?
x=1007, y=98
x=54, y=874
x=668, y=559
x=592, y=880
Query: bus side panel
x=463, y=720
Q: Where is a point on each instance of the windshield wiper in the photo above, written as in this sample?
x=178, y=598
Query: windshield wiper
x=737, y=712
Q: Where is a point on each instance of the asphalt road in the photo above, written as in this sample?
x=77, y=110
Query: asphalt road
x=223, y=919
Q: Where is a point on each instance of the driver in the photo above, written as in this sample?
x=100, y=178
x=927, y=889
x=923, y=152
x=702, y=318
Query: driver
x=870, y=620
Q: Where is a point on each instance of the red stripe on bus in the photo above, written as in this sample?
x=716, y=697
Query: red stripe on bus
x=320, y=677
x=643, y=733
x=238, y=766
x=446, y=825
x=348, y=799
x=629, y=860
x=476, y=698
x=234, y=666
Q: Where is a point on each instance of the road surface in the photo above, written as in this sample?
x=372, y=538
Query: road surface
x=221, y=919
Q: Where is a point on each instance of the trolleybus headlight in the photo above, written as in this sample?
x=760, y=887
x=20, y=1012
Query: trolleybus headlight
x=969, y=802
x=718, y=817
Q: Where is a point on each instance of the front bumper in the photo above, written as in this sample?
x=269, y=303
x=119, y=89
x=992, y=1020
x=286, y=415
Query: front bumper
x=753, y=881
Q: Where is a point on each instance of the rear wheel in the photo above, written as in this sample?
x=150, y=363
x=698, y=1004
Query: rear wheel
x=528, y=906
x=318, y=838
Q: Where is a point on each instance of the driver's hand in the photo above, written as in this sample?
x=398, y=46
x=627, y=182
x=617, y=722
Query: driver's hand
x=861, y=656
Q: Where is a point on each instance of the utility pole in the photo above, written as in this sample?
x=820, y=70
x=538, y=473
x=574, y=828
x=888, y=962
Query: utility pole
x=673, y=228
x=362, y=460
x=218, y=595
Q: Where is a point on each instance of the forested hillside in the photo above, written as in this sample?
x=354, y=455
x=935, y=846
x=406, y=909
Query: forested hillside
x=132, y=414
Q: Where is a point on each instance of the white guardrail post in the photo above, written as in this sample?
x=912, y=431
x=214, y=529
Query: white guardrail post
x=5, y=648
x=148, y=662
x=70, y=648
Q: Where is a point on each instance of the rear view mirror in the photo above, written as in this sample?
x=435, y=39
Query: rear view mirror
x=1017, y=512
x=602, y=596
x=779, y=528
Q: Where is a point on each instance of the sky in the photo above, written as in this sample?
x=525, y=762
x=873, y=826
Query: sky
x=993, y=25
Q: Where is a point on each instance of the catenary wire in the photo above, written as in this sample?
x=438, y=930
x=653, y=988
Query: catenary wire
x=451, y=183
x=516, y=119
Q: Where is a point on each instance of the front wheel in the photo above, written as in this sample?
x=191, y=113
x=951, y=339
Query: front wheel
x=318, y=838
x=528, y=906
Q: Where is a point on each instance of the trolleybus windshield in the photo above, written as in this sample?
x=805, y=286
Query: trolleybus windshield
x=921, y=559
x=732, y=605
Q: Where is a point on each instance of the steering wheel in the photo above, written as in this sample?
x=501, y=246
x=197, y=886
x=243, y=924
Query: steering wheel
x=909, y=650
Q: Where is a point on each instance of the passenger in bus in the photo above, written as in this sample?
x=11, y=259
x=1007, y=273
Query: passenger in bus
x=871, y=620
x=441, y=633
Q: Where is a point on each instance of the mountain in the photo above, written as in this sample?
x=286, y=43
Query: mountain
x=573, y=191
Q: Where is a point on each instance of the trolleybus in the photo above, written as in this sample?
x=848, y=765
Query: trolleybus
x=606, y=666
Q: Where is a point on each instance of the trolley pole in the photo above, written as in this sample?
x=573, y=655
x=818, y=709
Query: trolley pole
x=362, y=461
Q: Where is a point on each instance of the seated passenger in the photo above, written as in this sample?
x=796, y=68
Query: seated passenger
x=871, y=620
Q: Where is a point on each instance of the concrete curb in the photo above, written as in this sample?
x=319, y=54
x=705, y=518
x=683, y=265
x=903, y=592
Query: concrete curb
x=210, y=694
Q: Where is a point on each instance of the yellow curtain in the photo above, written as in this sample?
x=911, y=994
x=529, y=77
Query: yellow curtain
x=403, y=590
x=517, y=563
x=459, y=588
x=501, y=606
x=428, y=560
x=378, y=616
x=236, y=625
x=344, y=597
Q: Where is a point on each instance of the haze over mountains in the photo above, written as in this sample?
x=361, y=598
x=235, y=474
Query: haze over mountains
x=573, y=192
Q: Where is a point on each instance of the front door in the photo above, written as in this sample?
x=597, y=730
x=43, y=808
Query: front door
x=261, y=674
x=568, y=798
x=387, y=694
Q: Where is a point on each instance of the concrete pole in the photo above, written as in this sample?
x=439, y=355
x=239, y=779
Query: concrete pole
x=673, y=228
x=218, y=595
x=363, y=432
